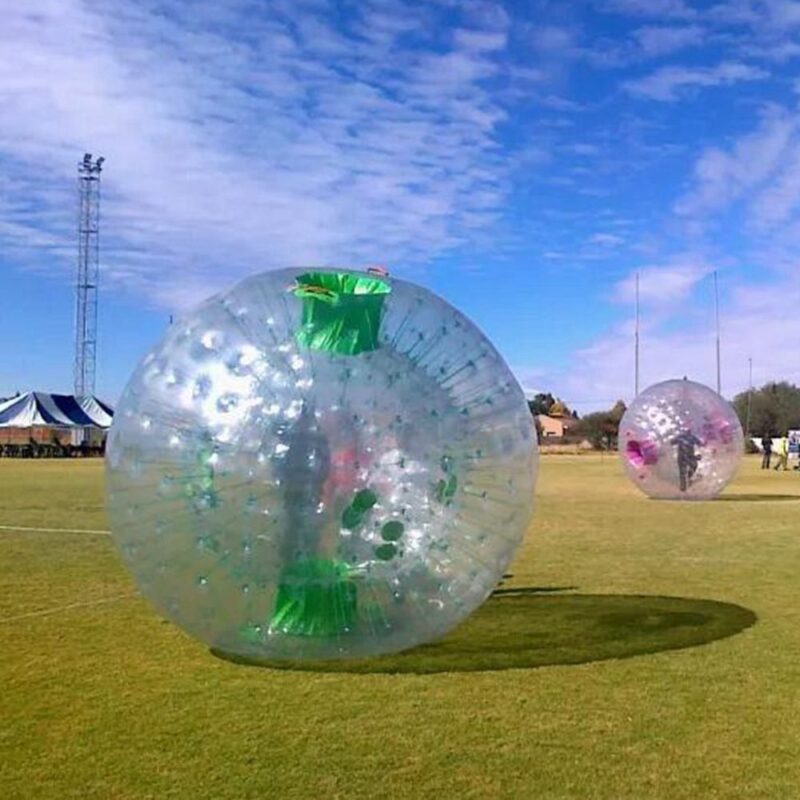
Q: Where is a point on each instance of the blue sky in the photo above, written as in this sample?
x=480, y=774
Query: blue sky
x=523, y=159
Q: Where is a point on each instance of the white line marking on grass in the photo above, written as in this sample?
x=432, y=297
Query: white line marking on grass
x=53, y=530
x=45, y=612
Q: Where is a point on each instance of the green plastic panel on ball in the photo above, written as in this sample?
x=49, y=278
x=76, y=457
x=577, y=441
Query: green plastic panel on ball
x=320, y=464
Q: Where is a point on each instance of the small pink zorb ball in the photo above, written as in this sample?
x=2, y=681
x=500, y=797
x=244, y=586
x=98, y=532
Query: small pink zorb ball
x=679, y=440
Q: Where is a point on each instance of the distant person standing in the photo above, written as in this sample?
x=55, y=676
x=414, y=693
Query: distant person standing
x=783, y=454
x=794, y=446
x=766, y=445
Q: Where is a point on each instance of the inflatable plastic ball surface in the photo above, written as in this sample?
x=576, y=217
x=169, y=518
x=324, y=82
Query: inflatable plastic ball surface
x=320, y=464
x=680, y=440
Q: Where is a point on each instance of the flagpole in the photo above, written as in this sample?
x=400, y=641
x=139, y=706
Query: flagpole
x=749, y=398
x=716, y=315
x=636, y=342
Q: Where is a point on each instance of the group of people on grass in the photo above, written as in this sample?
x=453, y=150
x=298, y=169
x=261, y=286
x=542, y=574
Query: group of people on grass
x=780, y=447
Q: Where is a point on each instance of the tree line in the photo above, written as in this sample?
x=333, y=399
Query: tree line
x=772, y=409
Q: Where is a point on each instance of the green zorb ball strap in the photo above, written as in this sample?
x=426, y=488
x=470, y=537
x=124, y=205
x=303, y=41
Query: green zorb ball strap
x=341, y=311
x=316, y=597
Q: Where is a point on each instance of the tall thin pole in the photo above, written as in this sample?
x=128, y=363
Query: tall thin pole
x=749, y=398
x=716, y=315
x=636, y=342
x=87, y=275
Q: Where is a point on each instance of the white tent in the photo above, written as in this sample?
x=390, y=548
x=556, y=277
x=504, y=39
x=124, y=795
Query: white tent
x=54, y=411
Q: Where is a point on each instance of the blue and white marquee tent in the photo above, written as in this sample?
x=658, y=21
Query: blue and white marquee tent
x=54, y=411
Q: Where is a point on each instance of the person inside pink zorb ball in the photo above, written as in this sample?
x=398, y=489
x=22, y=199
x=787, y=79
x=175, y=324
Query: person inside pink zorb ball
x=680, y=440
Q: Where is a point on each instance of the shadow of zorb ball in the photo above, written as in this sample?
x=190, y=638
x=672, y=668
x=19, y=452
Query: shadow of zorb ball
x=680, y=440
x=320, y=464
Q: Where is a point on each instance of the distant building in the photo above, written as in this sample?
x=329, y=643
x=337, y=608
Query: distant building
x=555, y=427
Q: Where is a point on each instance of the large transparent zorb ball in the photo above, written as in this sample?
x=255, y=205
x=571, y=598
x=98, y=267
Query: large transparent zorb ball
x=680, y=440
x=320, y=464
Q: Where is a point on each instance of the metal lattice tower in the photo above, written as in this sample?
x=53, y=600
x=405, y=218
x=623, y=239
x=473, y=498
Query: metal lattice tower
x=88, y=274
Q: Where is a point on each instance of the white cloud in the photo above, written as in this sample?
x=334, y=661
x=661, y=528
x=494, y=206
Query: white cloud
x=237, y=142
x=661, y=40
x=583, y=149
x=663, y=284
x=735, y=13
x=478, y=40
x=607, y=239
x=668, y=83
x=765, y=30
x=779, y=202
x=657, y=9
x=554, y=39
x=784, y=12
x=778, y=52
x=761, y=169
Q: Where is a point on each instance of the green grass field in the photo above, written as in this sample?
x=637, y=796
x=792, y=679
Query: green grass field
x=639, y=650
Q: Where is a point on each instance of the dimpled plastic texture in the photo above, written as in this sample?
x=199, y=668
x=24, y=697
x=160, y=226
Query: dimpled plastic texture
x=320, y=464
x=680, y=440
